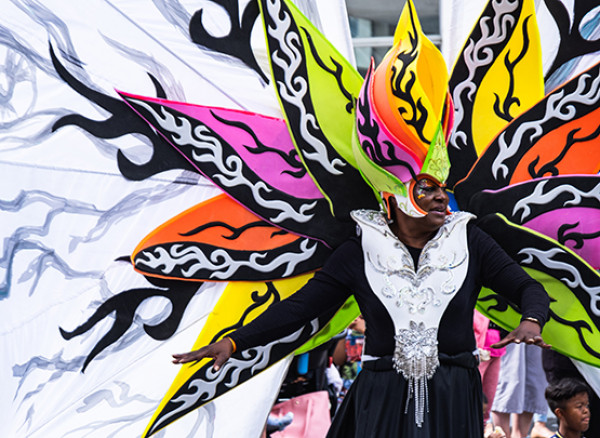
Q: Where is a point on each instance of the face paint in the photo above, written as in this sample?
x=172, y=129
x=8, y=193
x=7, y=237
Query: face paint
x=426, y=186
x=421, y=191
x=423, y=186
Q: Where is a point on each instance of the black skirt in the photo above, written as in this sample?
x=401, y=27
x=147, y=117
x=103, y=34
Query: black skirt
x=376, y=404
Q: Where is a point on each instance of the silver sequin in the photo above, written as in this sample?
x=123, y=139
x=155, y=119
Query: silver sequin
x=416, y=358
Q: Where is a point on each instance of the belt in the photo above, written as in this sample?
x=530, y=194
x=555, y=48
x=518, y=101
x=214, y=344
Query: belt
x=385, y=363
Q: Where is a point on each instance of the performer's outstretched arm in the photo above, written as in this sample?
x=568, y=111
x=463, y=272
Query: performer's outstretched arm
x=220, y=351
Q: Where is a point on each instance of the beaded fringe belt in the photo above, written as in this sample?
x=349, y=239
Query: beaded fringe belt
x=416, y=358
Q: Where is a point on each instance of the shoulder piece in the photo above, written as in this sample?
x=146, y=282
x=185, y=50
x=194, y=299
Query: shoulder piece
x=376, y=220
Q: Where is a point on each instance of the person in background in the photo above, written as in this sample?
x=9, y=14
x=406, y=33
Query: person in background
x=540, y=428
x=569, y=400
x=520, y=390
x=348, y=354
x=487, y=334
x=497, y=432
x=558, y=367
x=490, y=431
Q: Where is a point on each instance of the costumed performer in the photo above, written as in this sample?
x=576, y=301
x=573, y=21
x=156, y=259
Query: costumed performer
x=415, y=269
x=416, y=281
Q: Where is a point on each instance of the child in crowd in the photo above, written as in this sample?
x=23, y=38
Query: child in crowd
x=569, y=400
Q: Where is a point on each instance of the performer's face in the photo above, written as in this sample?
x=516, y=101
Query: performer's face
x=432, y=198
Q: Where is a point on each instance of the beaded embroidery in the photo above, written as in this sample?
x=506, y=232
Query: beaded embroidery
x=413, y=295
x=415, y=298
x=416, y=358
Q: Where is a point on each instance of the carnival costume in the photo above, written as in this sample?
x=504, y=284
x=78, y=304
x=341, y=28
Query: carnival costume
x=170, y=174
x=362, y=142
x=342, y=148
x=414, y=317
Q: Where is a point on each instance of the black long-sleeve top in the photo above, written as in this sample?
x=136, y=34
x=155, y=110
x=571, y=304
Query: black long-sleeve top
x=344, y=274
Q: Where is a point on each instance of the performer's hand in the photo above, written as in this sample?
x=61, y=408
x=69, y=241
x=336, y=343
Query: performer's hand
x=527, y=331
x=220, y=351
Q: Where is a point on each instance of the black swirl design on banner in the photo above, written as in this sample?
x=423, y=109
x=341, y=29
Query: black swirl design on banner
x=290, y=158
x=220, y=162
x=502, y=304
x=572, y=44
x=335, y=72
x=541, y=254
x=523, y=202
x=579, y=326
x=494, y=169
x=288, y=57
x=258, y=301
x=236, y=232
x=550, y=168
x=488, y=39
x=125, y=305
x=418, y=112
x=237, y=42
x=370, y=129
x=502, y=106
x=122, y=122
x=206, y=384
x=579, y=238
x=201, y=261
